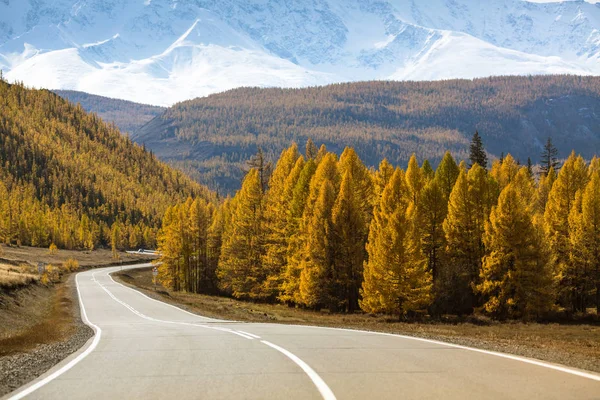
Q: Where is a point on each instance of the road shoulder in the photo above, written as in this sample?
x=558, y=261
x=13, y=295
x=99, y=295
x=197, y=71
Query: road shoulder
x=26, y=361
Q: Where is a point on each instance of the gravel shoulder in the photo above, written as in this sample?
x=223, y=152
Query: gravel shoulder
x=58, y=332
x=570, y=344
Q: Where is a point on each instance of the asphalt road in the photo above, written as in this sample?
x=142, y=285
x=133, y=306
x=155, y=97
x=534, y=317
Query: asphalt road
x=146, y=349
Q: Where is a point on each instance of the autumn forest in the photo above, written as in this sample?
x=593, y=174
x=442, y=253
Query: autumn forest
x=321, y=231
x=315, y=229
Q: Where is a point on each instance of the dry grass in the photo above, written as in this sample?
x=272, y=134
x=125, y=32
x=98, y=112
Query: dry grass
x=12, y=277
x=576, y=345
x=45, y=316
x=33, y=314
x=99, y=257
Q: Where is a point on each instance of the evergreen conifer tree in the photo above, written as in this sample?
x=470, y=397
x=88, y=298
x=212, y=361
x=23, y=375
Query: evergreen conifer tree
x=477, y=153
x=549, y=157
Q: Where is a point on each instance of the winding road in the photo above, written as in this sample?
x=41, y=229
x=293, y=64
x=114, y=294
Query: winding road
x=146, y=349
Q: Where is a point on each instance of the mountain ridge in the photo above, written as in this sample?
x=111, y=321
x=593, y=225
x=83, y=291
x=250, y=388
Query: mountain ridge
x=165, y=51
x=211, y=138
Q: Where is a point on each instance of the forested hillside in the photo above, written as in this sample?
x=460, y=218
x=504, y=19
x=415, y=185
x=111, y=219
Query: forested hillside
x=327, y=232
x=212, y=137
x=68, y=178
x=126, y=115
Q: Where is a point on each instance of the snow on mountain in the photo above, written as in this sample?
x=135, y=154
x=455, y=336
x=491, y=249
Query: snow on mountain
x=164, y=51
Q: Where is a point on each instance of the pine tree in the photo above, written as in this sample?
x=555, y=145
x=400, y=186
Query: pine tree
x=594, y=165
x=549, y=158
x=590, y=239
x=529, y=167
x=277, y=204
x=543, y=190
x=428, y=172
x=290, y=291
x=477, y=153
x=525, y=186
x=169, y=246
x=311, y=150
x=414, y=179
x=447, y=173
x=240, y=271
x=201, y=276
x=382, y=177
x=504, y=172
x=463, y=248
x=264, y=168
x=349, y=228
x=361, y=184
x=516, y=278
x=395, y=278
x=316, y=278
x=572, y=178
x=431, y=213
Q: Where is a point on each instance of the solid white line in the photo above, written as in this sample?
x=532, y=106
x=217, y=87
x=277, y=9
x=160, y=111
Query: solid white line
x=109, y=274
x=314, y=377
x=132, y=309
x=250, y=334
x=72, y=363
x=557, y=367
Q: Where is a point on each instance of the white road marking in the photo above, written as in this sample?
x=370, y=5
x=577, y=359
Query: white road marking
x=314, y=377
x=556, y=367
x=72, y=363
x=250, y=334
x=109, y=274
x=319, y=383
x=572, y=371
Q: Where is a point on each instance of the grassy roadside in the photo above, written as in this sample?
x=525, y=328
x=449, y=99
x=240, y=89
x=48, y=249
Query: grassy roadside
x=575, y=345
x=36, y=315
x=95, y=258
x=40, y=323
x=33, y=313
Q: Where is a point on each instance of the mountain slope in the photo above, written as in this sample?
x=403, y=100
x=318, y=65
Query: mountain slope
x=68, y=178
x=126, y=115
x=211, y=138
x=164, y=51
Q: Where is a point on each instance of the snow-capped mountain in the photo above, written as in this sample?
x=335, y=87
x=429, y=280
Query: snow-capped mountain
x=164, y=51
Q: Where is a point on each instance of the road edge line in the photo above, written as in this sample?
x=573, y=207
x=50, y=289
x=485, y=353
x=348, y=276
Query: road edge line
x=557, y=367
x=97, y=335
x=163, y=302
x=322, y=387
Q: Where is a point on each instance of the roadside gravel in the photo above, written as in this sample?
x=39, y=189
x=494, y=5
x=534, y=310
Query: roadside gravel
x=20, y=368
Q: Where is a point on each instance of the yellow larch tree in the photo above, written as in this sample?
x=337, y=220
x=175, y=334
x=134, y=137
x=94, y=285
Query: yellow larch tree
x=348, y=248
x=240, y=267
x=277, y=204
x=396, y=279
x=446, y=174
x=316, y=277
x=572, y=178
x=516, y=279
